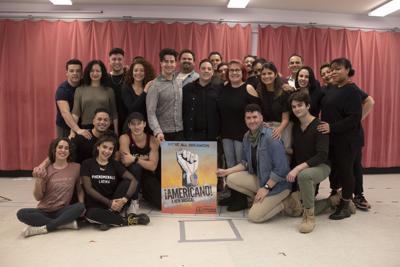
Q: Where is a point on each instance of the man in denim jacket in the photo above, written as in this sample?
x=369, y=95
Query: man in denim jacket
x=262, y=172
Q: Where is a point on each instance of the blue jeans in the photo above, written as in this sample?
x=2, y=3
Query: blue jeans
x=233, y=151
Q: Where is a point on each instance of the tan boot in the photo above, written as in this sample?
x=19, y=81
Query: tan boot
x=308, y=223
x=293, y=205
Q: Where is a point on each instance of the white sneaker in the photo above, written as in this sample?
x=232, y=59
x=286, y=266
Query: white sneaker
x=72, y=225
x=32, y=230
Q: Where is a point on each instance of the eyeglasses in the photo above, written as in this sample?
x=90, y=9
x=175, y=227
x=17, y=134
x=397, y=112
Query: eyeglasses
x=235, y=70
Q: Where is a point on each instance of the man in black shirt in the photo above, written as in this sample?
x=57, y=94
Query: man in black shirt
x=199, y=107
x=117, y=75
x=310, y=158
x=83, y=146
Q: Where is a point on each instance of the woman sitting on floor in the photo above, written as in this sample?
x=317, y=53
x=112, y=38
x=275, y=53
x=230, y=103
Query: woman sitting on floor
x=54, y=193
x=109, y=187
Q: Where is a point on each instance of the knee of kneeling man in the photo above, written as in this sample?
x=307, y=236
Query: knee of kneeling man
x=255, y=217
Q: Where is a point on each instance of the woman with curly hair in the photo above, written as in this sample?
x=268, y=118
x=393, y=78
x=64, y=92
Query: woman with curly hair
x=54, y=193
x=138, y=79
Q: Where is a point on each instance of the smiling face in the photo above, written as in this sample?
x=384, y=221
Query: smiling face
x=206, y=71
x=62, y=150
x=101, y=122
x=268, y=76
x=253, y=120
x=186, y=63
x=137, y=127
x=303, y=78
x=168, y=65
x=105, y=150
x=295, y=63
x=223, y=72
x=326, y=75
x=138, y=72
x=117, y=63
x=95, y=73
x=235, y=73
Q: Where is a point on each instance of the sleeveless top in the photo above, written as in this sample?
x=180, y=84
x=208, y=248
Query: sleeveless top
x=140, y=151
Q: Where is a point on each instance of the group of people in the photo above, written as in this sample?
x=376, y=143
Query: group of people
x=278, y=137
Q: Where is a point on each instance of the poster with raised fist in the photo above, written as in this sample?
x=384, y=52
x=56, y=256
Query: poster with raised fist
x=188, y=177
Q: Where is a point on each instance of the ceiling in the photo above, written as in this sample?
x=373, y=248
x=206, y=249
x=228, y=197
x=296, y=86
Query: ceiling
x=337, y=6
x=330, y=13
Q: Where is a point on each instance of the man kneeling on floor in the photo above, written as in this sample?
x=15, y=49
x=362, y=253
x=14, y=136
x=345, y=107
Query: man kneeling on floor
x=261, y=174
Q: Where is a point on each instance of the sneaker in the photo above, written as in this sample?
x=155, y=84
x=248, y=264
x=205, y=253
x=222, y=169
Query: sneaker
x=104, y=227
x=134, y=219
x=33, y=230
x=72, y=225
x=361, y=203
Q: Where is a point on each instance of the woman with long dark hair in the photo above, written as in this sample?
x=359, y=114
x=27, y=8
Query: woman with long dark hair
x=274, y=103
x=54, y=193
x=109, y=187
x=93, y=94
x=305, y=81
x=341, y=116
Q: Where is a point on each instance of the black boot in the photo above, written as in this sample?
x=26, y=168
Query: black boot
x=342, y=211
x=239, y=201
x=228, y=200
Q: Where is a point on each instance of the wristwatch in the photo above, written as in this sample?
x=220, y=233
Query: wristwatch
x=267, y=187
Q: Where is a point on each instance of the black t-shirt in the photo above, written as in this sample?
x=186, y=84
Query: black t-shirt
x=116, y=82
x=231, y=104
x=84, y=147
x=273, y=106
x=65, y=92
x=104, y=179
x=341, y=108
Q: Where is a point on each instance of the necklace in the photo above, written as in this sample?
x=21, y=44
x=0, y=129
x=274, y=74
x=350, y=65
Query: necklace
x=116, y=81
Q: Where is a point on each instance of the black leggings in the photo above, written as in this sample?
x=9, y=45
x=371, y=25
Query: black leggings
x=99, y=214
x=343, y=158
x=358, y=175
x=52, y=220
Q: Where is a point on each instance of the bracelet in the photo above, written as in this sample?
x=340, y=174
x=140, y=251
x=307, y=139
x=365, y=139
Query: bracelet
x=266, y=186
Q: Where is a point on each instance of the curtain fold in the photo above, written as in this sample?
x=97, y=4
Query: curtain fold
x=375, y=57
x=33, y=56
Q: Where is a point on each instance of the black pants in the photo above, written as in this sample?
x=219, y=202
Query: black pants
x=151, y=188
x=343, y=158
x=358, y=175
x=99, y=214
x=52, y=220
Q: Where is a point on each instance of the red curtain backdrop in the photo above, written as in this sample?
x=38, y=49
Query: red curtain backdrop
x=375, y=57
x=33, y=56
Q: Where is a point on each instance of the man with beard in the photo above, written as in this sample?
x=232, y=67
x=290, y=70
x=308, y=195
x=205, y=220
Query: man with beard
x=187, y=74
x=83, y=146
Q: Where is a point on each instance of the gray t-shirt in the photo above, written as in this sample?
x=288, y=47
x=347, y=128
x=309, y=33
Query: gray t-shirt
x=87, y=99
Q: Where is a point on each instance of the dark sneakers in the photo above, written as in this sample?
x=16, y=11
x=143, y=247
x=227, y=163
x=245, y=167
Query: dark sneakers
x=134, y=219
x=342, y=211
x=104, y=227
x=361, y=203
